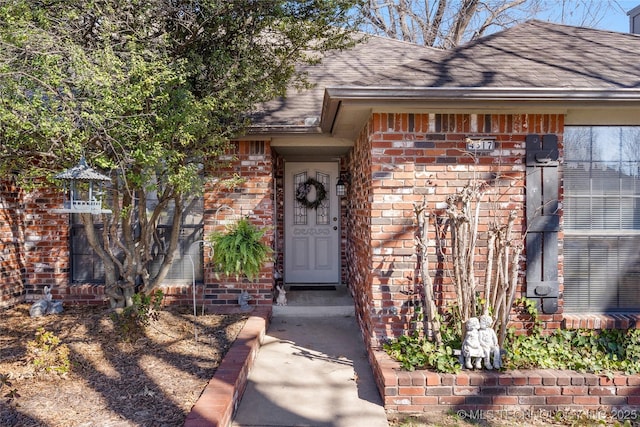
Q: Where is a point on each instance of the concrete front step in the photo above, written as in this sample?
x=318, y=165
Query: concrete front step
x=316, y=303
x=313, y=311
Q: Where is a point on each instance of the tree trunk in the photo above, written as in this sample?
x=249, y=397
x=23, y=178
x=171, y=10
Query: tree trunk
x=113, y=290
x=153, y=283
x=127, y=241
x=422, y=242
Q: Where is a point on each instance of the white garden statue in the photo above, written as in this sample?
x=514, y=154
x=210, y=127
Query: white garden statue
x=281, y=300
x=472, y=352
x=46, y=305
x=489, y=343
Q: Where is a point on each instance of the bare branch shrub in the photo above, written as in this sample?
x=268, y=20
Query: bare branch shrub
x=501, y=258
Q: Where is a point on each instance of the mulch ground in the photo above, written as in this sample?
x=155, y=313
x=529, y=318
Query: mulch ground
x=153, y=381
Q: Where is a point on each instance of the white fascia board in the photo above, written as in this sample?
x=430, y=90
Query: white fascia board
x=413, y=94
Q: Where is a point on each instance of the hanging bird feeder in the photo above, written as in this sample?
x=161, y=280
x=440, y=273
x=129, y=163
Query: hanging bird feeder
x=83, y=189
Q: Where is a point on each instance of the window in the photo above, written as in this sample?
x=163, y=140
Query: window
x=87, y=267
x=188, y=250
x=602, y=219
x=256, y=148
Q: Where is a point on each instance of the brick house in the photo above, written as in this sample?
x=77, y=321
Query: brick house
x=394, y=118
x=555, y=110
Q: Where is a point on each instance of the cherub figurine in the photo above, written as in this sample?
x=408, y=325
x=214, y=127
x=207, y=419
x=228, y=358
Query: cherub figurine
x=472, y=351
x=489, y=342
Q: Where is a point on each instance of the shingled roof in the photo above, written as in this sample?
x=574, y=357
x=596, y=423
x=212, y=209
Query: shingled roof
x=357, y=66
x=531, y=55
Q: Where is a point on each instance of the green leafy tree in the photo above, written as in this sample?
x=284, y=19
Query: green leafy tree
x=150, y=91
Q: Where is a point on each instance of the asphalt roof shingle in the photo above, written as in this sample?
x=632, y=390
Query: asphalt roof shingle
x=531, y=55
x=534, y=54
x=339, y=68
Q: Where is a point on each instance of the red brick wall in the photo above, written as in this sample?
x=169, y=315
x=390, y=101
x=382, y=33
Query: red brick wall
x=253, y=198
x=278, y=176
x=33, y=246
x=12, y=260
x=357, y=226
x=46, y=244
x=398, y=160
x=34, y=242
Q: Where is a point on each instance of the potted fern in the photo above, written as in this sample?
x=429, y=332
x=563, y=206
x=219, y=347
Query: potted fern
x=240, y=250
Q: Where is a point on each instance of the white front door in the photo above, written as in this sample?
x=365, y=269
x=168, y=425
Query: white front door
x=312, y=235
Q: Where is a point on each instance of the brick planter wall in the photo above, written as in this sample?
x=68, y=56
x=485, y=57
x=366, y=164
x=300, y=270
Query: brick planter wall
x=537, y=390
x=219, y=400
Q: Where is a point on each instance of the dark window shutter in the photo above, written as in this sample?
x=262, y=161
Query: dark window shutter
x=542, y=221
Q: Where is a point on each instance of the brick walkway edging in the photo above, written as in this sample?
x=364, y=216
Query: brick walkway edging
x=536, y=389
x=218, y=402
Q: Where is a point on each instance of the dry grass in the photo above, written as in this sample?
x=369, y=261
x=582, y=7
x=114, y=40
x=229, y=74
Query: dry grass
x=152, y=382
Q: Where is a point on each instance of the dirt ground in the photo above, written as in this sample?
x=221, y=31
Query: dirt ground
x=156, y=380
x=580, y=417
x=152, y=382
x=507, y=419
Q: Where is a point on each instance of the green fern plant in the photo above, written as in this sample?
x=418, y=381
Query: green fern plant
x=240, y=250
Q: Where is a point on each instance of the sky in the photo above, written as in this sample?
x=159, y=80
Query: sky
x=614, y=16
x=610, y=14
x=618, y=20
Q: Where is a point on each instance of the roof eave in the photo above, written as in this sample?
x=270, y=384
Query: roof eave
x=463, y=97
x=283, y=129
x=482, y=94
x=467, y=97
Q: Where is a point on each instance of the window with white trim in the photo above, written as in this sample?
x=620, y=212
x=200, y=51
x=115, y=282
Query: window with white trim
x=601, y=179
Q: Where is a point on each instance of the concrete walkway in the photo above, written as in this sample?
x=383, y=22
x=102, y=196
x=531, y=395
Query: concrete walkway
x=311, y=371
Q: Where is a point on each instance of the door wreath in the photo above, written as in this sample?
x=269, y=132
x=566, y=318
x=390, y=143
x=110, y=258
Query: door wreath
x=303, y=190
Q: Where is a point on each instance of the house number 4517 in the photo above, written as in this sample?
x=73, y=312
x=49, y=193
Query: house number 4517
x=480, y=144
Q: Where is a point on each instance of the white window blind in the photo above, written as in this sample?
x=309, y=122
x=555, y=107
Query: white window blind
x=601, y=219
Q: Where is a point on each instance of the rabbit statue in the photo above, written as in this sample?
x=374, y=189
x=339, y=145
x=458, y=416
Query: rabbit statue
x=282, y=296
x=41, y=307
x=46, y=305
